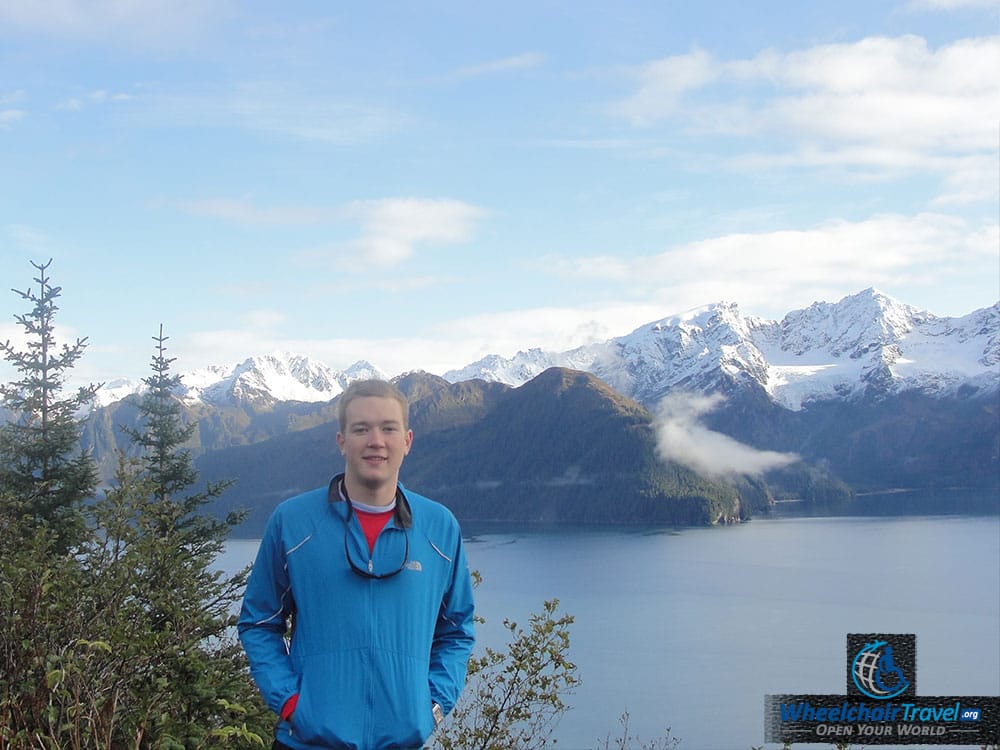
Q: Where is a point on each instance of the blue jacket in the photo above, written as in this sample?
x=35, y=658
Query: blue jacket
x=368, y=657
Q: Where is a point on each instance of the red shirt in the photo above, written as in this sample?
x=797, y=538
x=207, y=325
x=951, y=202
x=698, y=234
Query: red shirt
x=372, y=524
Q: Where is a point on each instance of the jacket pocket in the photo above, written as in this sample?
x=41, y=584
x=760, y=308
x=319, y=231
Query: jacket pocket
x=403, y=689
x=331, y=705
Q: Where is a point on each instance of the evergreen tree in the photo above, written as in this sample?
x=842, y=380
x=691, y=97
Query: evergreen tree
x=115, y=629
x=167, y=463
x=185, y=603
x=44, y=481
x=44, y=477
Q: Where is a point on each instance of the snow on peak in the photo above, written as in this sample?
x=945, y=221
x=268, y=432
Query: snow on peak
x=116, y=390
x=705, y=348
x=825, y=351
x=852, y=327
x=520, y=368
x=268, y=378
x=362, y=370
x=279, y=376
x=871, y=340
x=259, y=380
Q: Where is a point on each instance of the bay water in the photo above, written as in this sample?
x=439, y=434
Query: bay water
x=691, y=628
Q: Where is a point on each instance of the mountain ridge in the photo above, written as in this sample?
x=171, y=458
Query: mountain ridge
x=595, y=464
x=257, y=380
x=863, y=342
x=825, y=351
x=867, y=394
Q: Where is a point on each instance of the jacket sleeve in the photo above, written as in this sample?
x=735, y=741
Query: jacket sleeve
x=454, y=636
x=267, y=605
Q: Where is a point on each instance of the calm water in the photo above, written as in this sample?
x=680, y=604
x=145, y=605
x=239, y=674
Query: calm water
x=690, y=629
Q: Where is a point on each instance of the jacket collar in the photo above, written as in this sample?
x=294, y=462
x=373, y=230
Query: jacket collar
x=337, y=493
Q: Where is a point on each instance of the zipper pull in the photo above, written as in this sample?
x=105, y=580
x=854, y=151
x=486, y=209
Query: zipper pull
x=371, y=566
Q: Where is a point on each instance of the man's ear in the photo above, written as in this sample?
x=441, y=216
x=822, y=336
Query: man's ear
x=340, y=442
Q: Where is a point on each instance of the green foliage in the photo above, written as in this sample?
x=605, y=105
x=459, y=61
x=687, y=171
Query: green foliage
x=163, y=433
x=44, y=478
x=89, y=659
x=514, y=697
x=37, y=618
x=174, y=671
x=115, y=630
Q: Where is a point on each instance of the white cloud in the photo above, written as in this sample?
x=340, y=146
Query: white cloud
x=858, y=92
x=19, y=339
x=9, y=116
x=256, y=332
x=554, y=328
x=681, y=438
x=445, y=346
x=892, y=90
x=774, y=272
x=392, y=228
x=13, y=333
x=394, y=355
x=662, y=83
x=965, y=178
x=970, y=179
x=265, y=320
x=886, y=104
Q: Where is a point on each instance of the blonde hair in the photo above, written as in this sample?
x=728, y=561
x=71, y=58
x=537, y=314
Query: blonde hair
x=371, y=388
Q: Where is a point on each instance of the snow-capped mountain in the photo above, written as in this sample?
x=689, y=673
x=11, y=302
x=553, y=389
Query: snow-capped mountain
x=909, y=398
x=828, y=350
x=521, y=368
x=259, y=380
x=115, y=390
x=867, y=342
x=280, y=376
x=871, y=340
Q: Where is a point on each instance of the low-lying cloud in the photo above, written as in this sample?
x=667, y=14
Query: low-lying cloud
x=681, y=438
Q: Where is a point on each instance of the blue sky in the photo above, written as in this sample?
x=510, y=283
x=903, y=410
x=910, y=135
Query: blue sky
x=420, y=184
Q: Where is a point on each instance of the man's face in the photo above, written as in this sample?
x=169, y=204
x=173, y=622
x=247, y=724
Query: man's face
x=374, y=442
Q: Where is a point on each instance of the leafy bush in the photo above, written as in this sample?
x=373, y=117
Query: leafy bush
x=514, y=697
x=115, y=628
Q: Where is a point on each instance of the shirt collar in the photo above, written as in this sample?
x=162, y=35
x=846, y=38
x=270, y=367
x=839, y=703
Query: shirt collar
x=337, y=493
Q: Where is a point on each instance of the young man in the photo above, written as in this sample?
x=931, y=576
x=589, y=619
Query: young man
x=375, y=585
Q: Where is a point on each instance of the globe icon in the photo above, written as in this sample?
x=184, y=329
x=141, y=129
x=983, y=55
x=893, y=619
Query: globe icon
x=875, y=672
